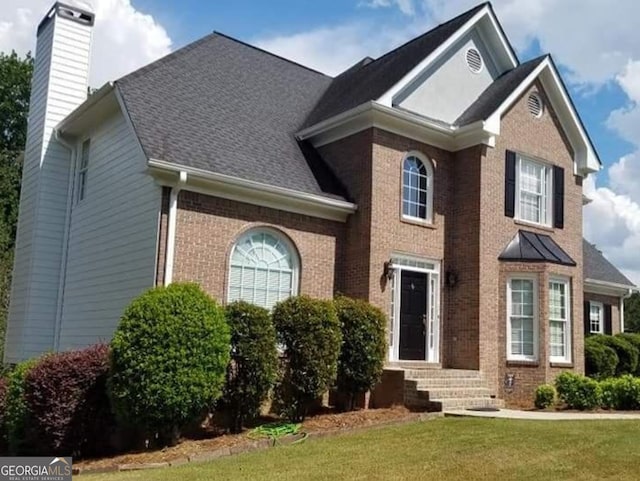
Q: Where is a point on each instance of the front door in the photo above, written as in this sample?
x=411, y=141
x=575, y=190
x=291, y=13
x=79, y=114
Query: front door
x=413, y=315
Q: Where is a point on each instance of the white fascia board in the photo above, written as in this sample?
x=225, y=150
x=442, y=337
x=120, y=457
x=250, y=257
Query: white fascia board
x=256, y=193
x=84, y=107
x=585, y=157
x=401, y=122
x=393, y=92
x=594, y=286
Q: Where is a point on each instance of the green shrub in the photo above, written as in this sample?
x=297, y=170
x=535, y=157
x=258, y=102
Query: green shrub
x=578, y=392
x=16, y=408
x=545, y=396
x=363, y=348
x=3, y=413
x=609, y=390
x=627, y=353
x=169, y=356
x=601, y=360
x=310, y=331
x=633, y=339
x=254, y=363
x=626, y=393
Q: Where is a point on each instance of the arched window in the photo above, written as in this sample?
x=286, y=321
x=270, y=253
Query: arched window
x=263, y=268
x=417, y=188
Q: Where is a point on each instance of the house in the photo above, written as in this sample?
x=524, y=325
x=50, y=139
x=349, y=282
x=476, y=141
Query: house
x=442, y=182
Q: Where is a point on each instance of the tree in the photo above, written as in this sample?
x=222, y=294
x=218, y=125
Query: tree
x=632, y=313
x=15, y=91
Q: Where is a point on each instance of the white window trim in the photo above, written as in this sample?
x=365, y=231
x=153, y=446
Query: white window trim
x=295, y=257
x=430, y=183
x=536, y=317
x=548, y=192
x=600, y=307
x=568, y=321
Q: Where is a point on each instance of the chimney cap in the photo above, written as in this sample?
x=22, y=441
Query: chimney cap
x=75, y=10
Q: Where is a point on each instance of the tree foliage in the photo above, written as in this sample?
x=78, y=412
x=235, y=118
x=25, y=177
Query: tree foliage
x=632, y=313
x=15, y=91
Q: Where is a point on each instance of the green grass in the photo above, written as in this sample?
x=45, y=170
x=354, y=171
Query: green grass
x=443, y=449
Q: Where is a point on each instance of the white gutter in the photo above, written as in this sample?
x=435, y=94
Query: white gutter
x=65, y=240
x=611, y=285
x=171, y=228
x=226, y=186
x=93, y=99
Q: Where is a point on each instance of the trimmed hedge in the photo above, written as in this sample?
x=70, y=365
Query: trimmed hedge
x=633, y=339
x=16, y=408
x=67, y=404
x=545, y=396
x=363, y=348
x=578, y=392
x=169, y=357
x=627, y=353
x=252, y=372
x=310, y=331
x=601, y=360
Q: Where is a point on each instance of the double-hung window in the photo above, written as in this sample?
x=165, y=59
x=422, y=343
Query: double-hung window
x=534, y=191
x=559, y=321
x=522, y=315
x=596, y=317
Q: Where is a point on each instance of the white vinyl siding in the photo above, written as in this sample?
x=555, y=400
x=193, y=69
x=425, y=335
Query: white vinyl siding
x=559, y=320
x=533, y=200
x=596, y=317
x=263, y=269
x=59, y=85
x=522, y=319
x=113, y=237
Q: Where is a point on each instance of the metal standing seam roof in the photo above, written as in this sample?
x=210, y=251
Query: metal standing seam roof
x=531, y=247
x=598, y=268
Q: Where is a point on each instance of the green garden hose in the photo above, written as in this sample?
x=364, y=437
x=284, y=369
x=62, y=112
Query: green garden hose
x=275, y=431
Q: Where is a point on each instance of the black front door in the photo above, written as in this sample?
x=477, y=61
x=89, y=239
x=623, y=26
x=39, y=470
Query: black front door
x=413, y=311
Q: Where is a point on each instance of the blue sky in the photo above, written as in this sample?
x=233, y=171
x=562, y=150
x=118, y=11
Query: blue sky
x=597, y=48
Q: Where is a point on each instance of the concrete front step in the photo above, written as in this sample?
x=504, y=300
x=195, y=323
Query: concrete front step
x=465, y=403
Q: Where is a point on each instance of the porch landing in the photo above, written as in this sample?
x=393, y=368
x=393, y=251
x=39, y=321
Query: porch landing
x=430, y=388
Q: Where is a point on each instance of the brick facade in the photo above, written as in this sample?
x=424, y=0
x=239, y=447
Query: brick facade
x=468, y=233
x=614, y=302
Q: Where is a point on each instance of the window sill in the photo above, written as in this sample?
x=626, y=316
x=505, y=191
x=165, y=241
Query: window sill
x=564, y=364
x=417, y=221
x=542, y=227
x=522, y=363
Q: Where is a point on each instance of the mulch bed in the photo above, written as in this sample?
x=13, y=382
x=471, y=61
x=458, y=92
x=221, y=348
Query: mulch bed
x=219, y=444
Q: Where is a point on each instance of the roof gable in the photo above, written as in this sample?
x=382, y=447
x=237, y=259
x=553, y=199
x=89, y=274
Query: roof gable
x=369, y=81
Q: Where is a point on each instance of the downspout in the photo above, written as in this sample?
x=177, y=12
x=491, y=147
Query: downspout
x=626, y=296
x=65, y=240
x=171, y=227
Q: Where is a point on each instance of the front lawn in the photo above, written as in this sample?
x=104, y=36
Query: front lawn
x=442, y=449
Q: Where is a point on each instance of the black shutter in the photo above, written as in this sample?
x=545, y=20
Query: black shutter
x=558, y=197
x=607, y=319
x=510, y=184
x=587, y=319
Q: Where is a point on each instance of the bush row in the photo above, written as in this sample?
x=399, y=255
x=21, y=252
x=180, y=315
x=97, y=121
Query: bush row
x=608, y=356
x=175, y=357
x=581, y=392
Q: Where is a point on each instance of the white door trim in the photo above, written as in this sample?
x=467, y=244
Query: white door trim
x=432, y=352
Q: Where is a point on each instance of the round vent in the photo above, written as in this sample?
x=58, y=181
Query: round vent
x=534, y=103
x=474, y=60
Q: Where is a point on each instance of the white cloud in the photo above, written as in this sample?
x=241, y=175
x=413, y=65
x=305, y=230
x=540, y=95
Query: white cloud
x=405, y=6
x=124, y=38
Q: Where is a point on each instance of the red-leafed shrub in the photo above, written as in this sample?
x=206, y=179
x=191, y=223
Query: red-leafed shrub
x=67, y=403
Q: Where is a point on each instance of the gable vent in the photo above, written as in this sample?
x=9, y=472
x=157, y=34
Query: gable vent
x=534, y=102
x=474, y=60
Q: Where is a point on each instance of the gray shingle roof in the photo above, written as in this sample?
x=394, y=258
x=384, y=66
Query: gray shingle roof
x=230, y=108
x=598, y=268
x=496, y=93
x=368, y=81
